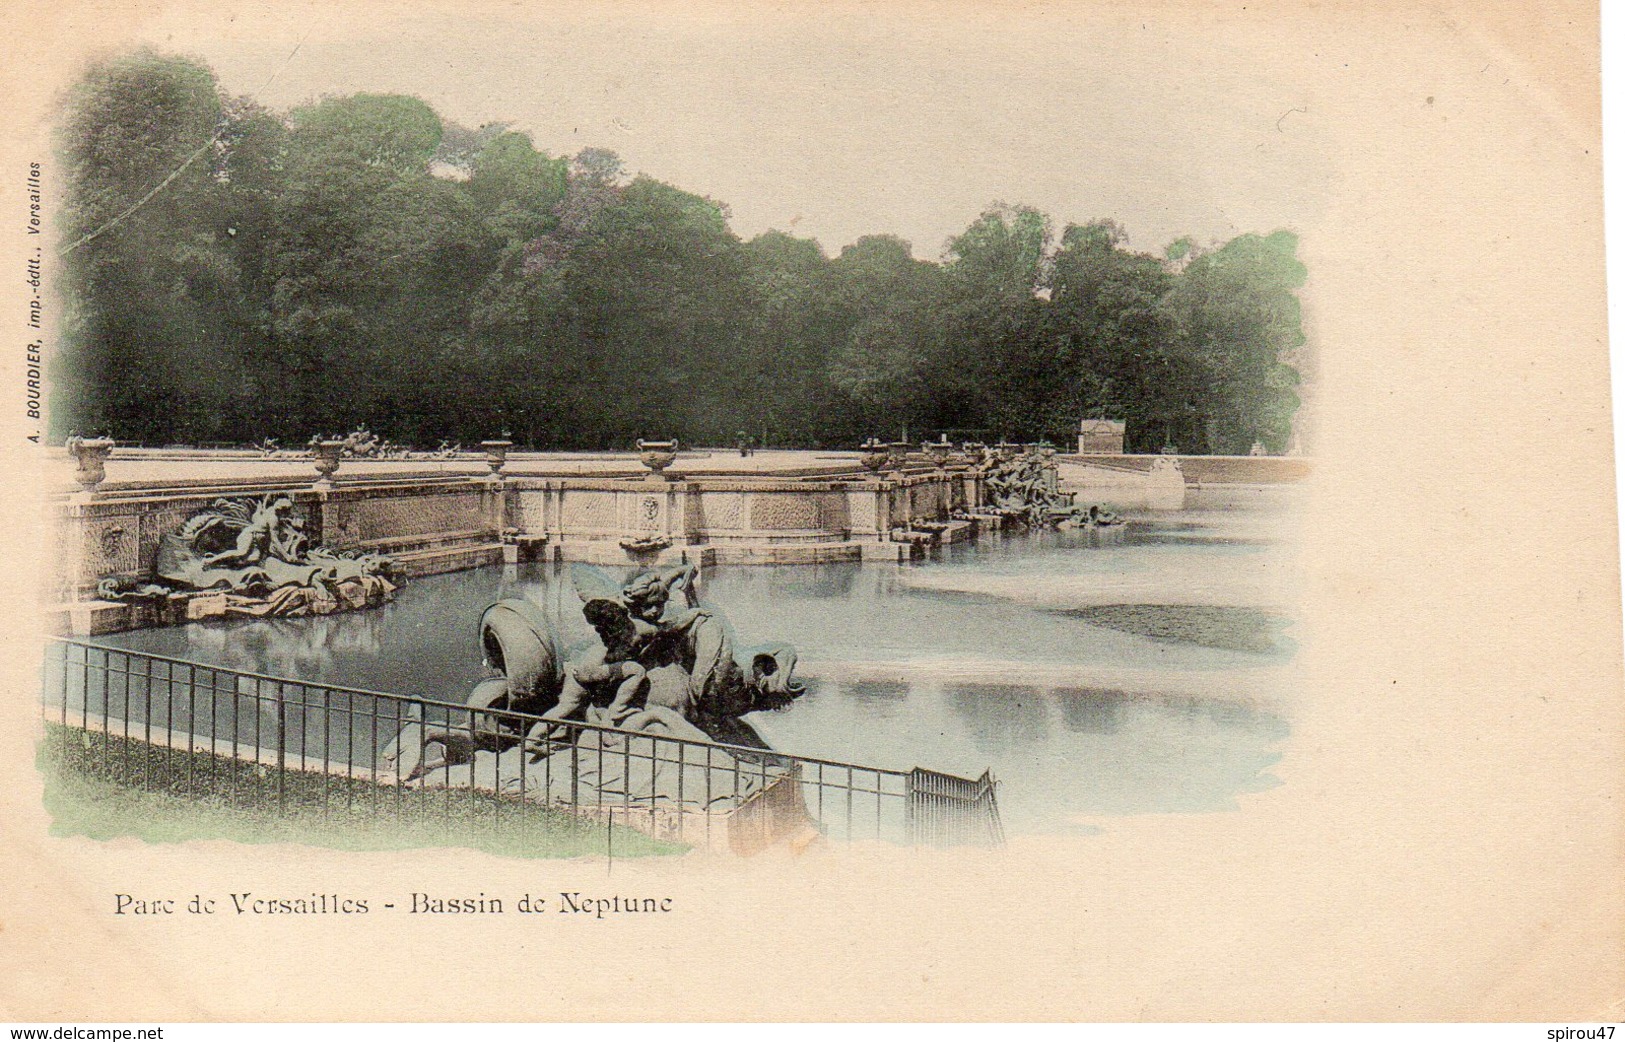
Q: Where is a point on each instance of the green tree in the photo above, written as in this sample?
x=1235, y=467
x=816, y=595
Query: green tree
x=658, y=298
x=351, y=166
x=1236, y=310
x=890, y=340
x=517, y=189
x=234, y=273
x=148, y=350
x=629, y=317
x=796, y=328
x=1119, y=356
x=1000, y=362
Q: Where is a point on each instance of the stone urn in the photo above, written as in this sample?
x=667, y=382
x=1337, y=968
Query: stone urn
x=496, y=455
x=897, y=455
x=658, y=455
x=90, y=460
x=327, y=454
x=874, y=455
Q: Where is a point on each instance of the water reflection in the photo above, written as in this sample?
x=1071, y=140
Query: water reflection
x=1063, y=755
x=1091, y=710
x=881, y=691
x=286, y=647
x=1004, y=721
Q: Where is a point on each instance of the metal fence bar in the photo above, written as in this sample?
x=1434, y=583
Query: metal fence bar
x=259, y=717
x=191, y=730
x=214, y=719
x=281, y=746
x=169, y=711
x=124, y=704
x=84, y=688
x=146, y=721
x=327, y=744
x=372, y=790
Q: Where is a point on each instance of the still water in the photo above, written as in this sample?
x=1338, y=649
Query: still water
x=1132, y=670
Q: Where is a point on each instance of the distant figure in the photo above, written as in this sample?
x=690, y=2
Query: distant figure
x=744, y=444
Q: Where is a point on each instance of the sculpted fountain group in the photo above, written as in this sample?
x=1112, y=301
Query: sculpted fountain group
x=662, y=664
x=254, y=550
x=1024, y=487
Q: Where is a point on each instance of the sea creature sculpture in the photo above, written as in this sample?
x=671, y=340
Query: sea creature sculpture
x=254, y=549
x=663, y=663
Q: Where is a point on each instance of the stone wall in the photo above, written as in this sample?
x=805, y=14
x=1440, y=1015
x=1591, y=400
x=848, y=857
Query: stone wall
x=1249, y=470
x=118, y=536
x=441, y=524
x=725, y=510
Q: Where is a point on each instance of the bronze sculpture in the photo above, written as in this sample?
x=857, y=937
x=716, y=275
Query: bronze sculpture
x=662, y=664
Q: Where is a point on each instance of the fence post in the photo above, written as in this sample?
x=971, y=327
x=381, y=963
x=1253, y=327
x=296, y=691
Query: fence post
x=994, y=822
x=281, y=747
x=575, y=773
x=910, y=820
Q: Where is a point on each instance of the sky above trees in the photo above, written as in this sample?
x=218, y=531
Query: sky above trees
x=837, y=121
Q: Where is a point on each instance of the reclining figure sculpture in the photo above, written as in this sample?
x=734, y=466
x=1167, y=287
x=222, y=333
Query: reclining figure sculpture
x=256, y=551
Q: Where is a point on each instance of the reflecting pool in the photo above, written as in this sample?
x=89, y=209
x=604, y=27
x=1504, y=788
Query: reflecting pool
x=1138, y=669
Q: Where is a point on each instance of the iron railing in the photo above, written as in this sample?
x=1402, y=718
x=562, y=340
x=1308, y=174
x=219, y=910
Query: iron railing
x=199, y=730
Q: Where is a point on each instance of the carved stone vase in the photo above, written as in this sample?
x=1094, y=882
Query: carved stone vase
x=658, y=455
x=496, y=455
x=874, y=455
x=327, y=454
x=90, y=459
x=897, y=455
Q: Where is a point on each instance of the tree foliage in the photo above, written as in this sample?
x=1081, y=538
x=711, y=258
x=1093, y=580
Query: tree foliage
x=360, y=261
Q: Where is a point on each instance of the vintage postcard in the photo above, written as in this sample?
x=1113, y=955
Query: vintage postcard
x=838, y=511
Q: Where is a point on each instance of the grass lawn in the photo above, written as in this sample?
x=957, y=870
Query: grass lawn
x=105, y=787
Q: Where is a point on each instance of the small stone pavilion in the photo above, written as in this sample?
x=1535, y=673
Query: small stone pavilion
x=1100, y=437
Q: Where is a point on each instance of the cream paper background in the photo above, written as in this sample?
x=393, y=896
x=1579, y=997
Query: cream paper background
x=1448, y=841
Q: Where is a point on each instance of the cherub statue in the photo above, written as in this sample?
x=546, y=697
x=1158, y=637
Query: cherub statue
x=622, y=637
x=629, y=622
x=648, y=594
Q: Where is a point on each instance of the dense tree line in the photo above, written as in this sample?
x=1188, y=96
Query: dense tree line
x=359, y=261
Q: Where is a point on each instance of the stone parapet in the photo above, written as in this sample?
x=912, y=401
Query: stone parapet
x=441, y=523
